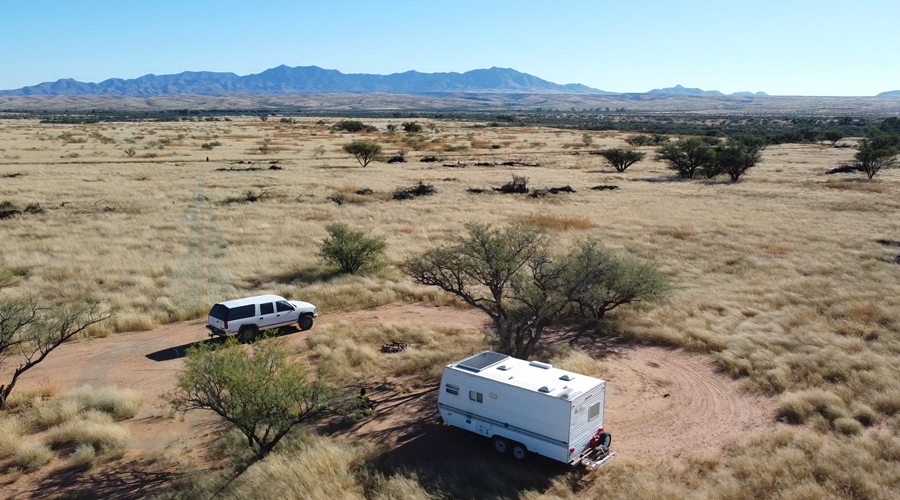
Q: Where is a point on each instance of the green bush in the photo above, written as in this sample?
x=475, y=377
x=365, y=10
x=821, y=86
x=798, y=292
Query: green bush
x=363, y=151
x=259, y=392
x=352, y=251
x=621, y=159
x=411, y=127
x=686, y=156
x=354, y=126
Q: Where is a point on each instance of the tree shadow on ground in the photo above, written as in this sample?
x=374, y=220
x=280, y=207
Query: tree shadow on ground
x=664, y=179
x=305, y=276
x=126, y=480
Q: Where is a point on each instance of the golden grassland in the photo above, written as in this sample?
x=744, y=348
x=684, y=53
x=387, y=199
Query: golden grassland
x=779, y=279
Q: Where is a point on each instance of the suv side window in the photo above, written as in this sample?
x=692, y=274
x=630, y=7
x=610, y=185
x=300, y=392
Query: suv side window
x=266, y=308
x=241, y=312
x=283, y=306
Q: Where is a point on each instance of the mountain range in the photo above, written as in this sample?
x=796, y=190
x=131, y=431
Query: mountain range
x=893, y=93
x=680, y=90
x=307, y=80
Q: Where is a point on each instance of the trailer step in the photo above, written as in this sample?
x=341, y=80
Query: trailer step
x=595, y=462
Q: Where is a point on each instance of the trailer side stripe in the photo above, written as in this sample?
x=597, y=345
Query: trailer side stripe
x=555, y=442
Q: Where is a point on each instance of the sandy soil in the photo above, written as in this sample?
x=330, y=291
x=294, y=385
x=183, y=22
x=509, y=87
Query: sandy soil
x=660, y=402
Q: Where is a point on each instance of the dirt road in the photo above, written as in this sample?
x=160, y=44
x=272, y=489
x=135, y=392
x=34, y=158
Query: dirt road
x=660, y=402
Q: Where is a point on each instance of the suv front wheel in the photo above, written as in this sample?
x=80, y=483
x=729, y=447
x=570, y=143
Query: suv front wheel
x=305, y=322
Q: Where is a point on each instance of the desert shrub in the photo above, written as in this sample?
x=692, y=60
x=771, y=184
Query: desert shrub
x=411, y=127
x=621, y=159
x=734, y=159
x=686, y=156
x=130, y=152
x=639, y=140
x=353, y=126
x=518, y=184
x=363, y=151
x=874, y=156
x=32, y=458
x=93, y=428
x=84, y=457
x=258, y=391
x=587, y=139
x=352, y=251
x=210, y=145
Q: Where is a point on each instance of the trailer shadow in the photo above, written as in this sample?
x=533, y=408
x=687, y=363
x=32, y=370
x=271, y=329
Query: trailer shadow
x=445, y=460
x=453, y=462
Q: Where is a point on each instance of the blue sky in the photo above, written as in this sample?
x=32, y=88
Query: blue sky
x=782, y=47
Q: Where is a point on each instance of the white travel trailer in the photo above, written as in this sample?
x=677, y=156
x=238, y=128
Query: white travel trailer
x=527, y=407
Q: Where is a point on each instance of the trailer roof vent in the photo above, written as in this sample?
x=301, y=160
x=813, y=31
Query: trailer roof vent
x=481, y=361
x=504, y=367
x=567, y=377
x=565, y=394
x=538, y=364
x=545, y=389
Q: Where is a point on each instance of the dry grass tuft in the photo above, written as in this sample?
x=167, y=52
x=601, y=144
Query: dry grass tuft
x=32, y=458
x=118, y=404
x=682, y=231
x=798, y=407
x=352, y=354
x=557, y=222
x=92, y=428
x=84, y=457
x=11, y=431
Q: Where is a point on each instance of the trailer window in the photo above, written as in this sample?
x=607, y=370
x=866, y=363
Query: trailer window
x=594, y=411
x=452, y=389
x=476, y=396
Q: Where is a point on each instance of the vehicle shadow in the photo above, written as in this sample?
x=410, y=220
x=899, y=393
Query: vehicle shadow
x=177, y=352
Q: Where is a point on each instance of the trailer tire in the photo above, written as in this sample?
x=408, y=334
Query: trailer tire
x=501, y=445
x=519, y=451
x=605, y=440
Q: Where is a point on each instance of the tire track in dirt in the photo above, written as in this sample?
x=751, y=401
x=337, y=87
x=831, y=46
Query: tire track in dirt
x=663, y=402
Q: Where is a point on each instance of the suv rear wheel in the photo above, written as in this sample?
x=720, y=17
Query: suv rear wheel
x=247, y=334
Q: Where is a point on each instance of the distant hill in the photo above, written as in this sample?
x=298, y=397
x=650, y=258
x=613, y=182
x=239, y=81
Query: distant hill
x=893, y=93
x=306, y=80
x=679, y=90
x=749, y=94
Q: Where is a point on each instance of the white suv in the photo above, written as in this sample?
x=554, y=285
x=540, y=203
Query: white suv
x=247, y=317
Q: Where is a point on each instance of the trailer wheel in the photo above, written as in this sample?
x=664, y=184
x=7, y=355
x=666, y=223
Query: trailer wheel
x=605, y=439
x=501, y=445
x=519, y=451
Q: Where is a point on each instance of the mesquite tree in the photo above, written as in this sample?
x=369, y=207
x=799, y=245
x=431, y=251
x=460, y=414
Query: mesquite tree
x=29, y=332
x=510, y=274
